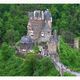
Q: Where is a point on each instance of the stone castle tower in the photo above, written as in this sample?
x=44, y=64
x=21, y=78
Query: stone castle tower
x=39, y=30
x=39, y=25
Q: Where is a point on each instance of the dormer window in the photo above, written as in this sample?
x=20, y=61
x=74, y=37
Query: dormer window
x=42, y=34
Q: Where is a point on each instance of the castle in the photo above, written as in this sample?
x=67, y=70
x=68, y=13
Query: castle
x=39, y=31
x=39, y=25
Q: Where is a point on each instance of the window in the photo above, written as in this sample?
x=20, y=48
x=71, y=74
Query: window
x=42, y=34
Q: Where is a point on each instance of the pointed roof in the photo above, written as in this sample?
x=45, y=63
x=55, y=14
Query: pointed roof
x=47, y=15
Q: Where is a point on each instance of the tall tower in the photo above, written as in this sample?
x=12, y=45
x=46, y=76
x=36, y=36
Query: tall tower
x=35, y=24
x=46, y=30
x=39, y=25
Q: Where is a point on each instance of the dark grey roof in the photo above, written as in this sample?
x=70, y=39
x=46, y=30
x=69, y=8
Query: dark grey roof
x=46, y=28
x=26, y=39
x=47, y=15
x=54, y=39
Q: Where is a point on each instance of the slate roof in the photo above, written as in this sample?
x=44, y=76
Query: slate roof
x=54, y=39
x=47, y=15
x=26, y=40
x=46, y=28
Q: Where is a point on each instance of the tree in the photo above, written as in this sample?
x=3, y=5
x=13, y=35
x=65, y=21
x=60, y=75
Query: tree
x=6, y=51
x=28, y=67
x=45, y=68
x=69, y=56
x=12, y=36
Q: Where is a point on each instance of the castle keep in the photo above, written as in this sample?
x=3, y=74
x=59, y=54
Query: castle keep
x=39, y=31
x=39, y=25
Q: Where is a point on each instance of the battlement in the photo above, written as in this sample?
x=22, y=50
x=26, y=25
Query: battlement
x=40, y=15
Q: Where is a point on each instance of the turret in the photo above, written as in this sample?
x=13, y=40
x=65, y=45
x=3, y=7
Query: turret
x=48, y=18
x=36, y=15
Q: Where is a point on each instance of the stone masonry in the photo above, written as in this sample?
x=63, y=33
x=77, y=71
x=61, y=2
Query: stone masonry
x=39, y=31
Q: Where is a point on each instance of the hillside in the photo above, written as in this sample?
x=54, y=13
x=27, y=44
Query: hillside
x=69, y=56
x=13, y=25
x=30, y=65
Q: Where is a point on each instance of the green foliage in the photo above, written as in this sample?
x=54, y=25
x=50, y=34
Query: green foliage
x=30, y=65
x=66, y=17
x=68, y=74
x=37, y=66
x=13, y=25
x=6, y=51
x=12, y=36
x=45, y=68
x=14, y=19
x=69, y=56
x=36, y=49
x=9, y=63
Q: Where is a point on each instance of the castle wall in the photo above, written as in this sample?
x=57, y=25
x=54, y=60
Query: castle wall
x=52, y=47
x=36, y=26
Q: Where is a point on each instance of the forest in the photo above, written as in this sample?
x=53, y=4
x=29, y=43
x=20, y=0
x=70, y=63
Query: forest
x=13, y=25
